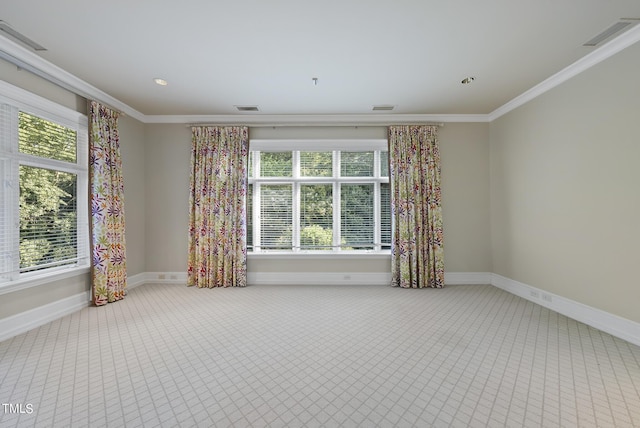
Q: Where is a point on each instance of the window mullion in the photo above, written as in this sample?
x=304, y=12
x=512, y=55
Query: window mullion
x=376, y=216
x=376, y=201
x=256, y=201
x=337, y=232
x=295, y=209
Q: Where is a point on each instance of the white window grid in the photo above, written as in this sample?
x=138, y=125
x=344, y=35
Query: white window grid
x=336, y=180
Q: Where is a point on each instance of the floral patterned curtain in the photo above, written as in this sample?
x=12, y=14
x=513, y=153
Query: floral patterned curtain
x=109, y=271
x=417, y=248
x=217, y=220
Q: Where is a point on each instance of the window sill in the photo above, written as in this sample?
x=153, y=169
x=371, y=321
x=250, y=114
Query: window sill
x=320, y=254
x=34, y=280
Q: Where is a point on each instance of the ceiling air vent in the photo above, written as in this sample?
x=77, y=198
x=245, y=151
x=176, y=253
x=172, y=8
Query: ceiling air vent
x=614, y=30
x=6, y=29
x=383, y=108
x=247, y=108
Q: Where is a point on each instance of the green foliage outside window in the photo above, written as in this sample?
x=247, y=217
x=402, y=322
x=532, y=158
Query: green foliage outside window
x=48, y=198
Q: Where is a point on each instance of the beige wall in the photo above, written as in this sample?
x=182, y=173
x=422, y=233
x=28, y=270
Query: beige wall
x=565, y=202
x=167, y=155
x=465, y=186
x=132, y=150
x=464, y=153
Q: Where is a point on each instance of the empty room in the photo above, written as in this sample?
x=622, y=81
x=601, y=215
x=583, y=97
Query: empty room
x=337, y=214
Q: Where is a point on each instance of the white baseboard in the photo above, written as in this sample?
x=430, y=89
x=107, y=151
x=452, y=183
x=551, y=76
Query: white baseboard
x=616, y=326
x=355, y=278
x=28, y=320
x=166, y=277
x=318, y=278
x=135, y=280
x=467, y=278
x=620, y=327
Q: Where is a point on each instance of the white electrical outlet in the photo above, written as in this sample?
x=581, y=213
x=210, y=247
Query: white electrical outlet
x=534, y=294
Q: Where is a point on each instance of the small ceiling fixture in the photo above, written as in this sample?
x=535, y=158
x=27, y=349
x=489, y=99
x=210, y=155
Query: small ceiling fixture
x=383, y=108
x=315, y=81
x=247, y=108
x=467, y=80
x=160, y=81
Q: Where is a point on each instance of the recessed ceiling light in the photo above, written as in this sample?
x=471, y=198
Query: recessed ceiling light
x=160, y=81
x=467, y=80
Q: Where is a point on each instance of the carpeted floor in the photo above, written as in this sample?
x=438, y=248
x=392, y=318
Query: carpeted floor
x=312, y=356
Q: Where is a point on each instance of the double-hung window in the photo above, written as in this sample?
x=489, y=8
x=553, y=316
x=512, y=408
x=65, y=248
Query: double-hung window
x=43, y=168
x=312, y=196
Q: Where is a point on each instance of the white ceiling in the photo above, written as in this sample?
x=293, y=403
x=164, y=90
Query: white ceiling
x=411, y=54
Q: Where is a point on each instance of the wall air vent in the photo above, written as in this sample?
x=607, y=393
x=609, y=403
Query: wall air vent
x=383, y=108
x=13, y=34
x=247, y=108
x=614, y=30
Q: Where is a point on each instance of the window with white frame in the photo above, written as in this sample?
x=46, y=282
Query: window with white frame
x=318, y=196
x=44, y=172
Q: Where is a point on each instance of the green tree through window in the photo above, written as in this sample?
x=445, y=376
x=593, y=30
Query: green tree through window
x=48, y=197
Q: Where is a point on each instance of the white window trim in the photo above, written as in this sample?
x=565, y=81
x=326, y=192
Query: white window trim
x=318, y=145
x=22, y=100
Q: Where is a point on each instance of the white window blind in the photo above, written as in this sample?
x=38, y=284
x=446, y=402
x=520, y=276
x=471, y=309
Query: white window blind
x=276, y=216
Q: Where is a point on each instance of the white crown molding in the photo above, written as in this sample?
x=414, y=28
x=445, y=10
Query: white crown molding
x=316, y=119
x=609, y=49
x=28, y=60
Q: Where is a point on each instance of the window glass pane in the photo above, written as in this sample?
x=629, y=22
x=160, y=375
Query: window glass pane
x=48, y=218
x=275, y=164
x=316, y=164
x=250, y=165
x=316, y=217
x=385, y=216
x=356, y=164
x=39, y=137
x=384, y=164
x=356, y=216
x=276, y=222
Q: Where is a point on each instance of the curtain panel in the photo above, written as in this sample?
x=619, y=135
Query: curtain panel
x=108, y=249
x=217, y=220
x=417, y=245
